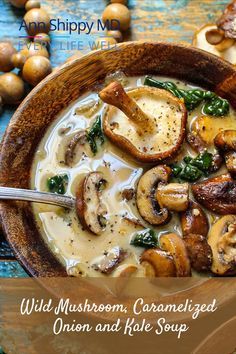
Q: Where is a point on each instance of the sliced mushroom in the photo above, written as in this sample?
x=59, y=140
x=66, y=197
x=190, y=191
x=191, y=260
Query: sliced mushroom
x=79, y=138
x=157, y=263
x=135, y=222
x=173, y=196
x=199, y=252
x=215, y=36
x=125, y=271
x=230, y=160
x=194, y=220
x=226, y=142
x=128, y=194
x=175, y=246
x=147, y=204
x=89, y=206
x=217, y=194
x=227, y=21
x=222, y=239
x=221, y=46
x=148, y=123
x=107, y=263
x=196, y=142
x=206, y=128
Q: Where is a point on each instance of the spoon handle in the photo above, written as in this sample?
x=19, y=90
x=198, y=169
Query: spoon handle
x=36, y=196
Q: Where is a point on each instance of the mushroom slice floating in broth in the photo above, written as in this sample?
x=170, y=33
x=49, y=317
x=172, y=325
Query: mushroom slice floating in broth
x=194, y=220
x=175, y=246
x=157, y=263
x=222, y=239
x=217, y=194
x=79, y=138
x=199, y=252
x=226, y=142
x=107, y=263
x=90, y=209
x=147, y=204
x=146, y=122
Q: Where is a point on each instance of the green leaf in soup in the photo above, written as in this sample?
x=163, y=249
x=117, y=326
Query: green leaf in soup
x=57, y=184
x=146, y=239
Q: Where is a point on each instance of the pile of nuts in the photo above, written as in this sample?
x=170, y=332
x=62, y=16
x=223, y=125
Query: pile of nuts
x=118, y=11
x=32, y=60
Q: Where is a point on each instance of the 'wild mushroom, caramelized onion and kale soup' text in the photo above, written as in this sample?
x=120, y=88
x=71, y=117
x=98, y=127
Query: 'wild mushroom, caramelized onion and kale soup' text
x=151, y=163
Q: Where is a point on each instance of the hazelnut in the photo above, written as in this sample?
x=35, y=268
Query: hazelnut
x=115, y=34
x=18, y=60
x=117, y=12
x=105, y=43
x=36, y=68
x=6, y=51
x=119, y=2
x=32, y=4
x=42, y=38
x=38, y=17
x=11, y=88
x=18, y=3
x=33, y=48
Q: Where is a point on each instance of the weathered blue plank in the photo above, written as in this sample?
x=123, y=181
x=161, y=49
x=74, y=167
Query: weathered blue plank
x=11, y=269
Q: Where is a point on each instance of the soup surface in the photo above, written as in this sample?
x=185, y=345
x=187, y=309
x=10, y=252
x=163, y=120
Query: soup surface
x=81, y=251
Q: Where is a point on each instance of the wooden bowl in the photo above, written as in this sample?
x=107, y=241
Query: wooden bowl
x=61, y=88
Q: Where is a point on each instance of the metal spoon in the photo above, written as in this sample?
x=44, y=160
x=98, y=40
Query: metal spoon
x=7, y=193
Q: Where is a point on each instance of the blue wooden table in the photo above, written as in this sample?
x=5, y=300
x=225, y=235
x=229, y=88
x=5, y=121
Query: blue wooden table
x=159, y=20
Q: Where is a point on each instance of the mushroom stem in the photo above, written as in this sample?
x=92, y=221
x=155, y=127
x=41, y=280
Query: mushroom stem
x=115, y=95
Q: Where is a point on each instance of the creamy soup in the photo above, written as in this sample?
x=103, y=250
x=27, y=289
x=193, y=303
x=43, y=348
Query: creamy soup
x=79, y=250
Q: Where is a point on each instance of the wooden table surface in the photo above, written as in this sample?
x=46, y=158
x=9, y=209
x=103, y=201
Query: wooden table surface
x=159, y=20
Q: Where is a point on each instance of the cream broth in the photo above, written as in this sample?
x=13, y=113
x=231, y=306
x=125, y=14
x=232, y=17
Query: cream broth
x=75, y=247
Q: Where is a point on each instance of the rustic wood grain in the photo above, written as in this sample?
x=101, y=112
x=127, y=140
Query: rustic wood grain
x=160, y=20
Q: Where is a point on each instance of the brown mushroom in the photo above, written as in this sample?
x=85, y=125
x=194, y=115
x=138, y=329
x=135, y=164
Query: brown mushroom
x=89, y=206
x=199, y=252
x=206, y=127
x=157, y=263
x=210, y=38
x=78, y=139
x=134, y=122
x=230, y=160
x=107, y=263
x=227, y=21
x=194, y=220
x=217, y=194
x=226, y=142
x=173, y=196
x=222, y=239
x=146, y=195
x=126, y=271
x=175, y=246
x=214, y=36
